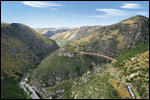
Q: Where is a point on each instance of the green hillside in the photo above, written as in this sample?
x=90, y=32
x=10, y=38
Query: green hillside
x=108, y=81
x=21, y=47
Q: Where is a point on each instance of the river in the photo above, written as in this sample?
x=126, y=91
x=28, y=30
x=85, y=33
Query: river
x=25, y=85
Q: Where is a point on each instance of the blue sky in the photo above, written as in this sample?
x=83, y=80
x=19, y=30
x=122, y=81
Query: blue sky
x=45, y=14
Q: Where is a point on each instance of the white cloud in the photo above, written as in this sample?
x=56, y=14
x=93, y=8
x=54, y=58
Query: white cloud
x=117, y=12
x=131, y=6
x=113, y=12
x=41, y=4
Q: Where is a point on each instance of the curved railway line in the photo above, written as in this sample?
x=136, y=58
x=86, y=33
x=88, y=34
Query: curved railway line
x=94, y=54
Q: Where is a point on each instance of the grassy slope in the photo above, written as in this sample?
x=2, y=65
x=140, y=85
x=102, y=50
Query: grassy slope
x=136, y=61
x=11, y=90
x=16, y=58
x=97, y=87
x=12, y=66
x=110, y=84
x=69, y=65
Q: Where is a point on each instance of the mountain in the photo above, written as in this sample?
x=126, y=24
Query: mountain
x=48, y=32
x=81, y=32
x=67, y=64
x=64, y=38
x=21, y=49
x=113, y=39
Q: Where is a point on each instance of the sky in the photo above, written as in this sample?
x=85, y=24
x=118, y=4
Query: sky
x=55, y=14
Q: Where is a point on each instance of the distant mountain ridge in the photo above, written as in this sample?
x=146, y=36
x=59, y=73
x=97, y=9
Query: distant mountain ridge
x=48, y=32
x=64, y=38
